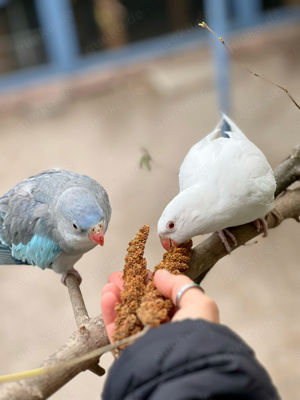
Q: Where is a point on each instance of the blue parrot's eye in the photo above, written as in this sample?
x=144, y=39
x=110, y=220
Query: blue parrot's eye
x=75, y=226
x=170, y=225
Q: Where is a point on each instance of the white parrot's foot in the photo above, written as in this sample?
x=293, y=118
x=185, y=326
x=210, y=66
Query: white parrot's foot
x=260, y=224
x=73, y=272
x=223, y=234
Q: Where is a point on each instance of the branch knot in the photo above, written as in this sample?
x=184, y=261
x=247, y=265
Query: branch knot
x=277, y=217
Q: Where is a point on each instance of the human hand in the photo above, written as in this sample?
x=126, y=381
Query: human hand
x=194, y=303
x=110, y=296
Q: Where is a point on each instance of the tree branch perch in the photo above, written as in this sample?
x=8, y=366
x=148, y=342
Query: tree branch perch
x=88, y=337
x=79, y=309
x=288, y=171
x=80, y=313
x=210, y=251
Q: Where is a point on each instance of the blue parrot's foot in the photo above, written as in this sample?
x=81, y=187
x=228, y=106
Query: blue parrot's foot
x=260, y=224
x=223, y=234
x=73, y=272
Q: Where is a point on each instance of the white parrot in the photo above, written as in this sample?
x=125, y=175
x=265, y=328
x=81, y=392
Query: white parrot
x=224, y=181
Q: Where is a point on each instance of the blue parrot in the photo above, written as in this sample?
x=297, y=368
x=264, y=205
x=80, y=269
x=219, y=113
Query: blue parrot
x=51, y=219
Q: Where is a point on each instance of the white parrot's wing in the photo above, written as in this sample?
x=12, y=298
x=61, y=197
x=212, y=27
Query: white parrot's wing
x=197, y=163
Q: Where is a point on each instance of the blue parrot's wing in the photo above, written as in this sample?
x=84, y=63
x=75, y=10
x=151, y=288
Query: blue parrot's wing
x=20, y=212
x=25, y=227
x=6, y=257
x=40, y=251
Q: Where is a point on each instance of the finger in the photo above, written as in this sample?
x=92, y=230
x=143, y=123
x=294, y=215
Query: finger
x=149, y=274
x=169, y=284
x=116, y=278
x=193, y=303
x=206, y=309
x=108, y=302
x=112, y=288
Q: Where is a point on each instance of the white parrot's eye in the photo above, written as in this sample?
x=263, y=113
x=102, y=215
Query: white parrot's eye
x=171, y=225
x=75, y=226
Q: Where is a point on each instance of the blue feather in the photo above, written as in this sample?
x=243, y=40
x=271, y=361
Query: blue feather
x=89, y=217
x=6, y=257
x=40, y=251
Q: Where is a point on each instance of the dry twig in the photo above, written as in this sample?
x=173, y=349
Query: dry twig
x=204, y=25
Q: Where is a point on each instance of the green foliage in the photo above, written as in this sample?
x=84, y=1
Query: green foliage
x=145, y=160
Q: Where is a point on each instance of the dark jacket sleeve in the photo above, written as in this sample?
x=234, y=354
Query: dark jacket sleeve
x=190, y=359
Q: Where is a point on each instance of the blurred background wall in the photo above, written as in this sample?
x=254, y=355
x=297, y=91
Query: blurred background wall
x=86, y=85
x=44, y=38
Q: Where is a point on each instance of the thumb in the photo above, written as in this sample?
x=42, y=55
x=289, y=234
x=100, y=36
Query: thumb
x=169, y=284
x=193, y=303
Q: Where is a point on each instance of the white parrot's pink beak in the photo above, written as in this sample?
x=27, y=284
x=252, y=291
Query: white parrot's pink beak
x=97, y=234
x=167, y=243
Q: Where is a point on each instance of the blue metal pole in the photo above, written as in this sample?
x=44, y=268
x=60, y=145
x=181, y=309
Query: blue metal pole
x=247, y=12
x=215, y=12
x=58, y=31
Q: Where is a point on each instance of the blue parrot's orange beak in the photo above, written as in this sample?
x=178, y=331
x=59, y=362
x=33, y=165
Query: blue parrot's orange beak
x=167, y=243
x=97, y=234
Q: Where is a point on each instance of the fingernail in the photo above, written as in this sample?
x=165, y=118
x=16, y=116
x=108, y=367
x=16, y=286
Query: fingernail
x=163, y=271
x=163, y=275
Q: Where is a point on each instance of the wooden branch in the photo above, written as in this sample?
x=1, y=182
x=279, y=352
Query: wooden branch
x=80, y=313
x=288, y=171
x=210, y=251
x=88, y=337
x=79, y=309
x=92, y=334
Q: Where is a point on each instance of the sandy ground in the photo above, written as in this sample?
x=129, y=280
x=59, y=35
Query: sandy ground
x=96, y=124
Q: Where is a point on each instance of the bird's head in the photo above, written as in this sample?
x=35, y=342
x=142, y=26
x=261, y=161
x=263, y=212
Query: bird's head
x=181, y=220
x=171, y=225
x=82, y=221
x=166, y=241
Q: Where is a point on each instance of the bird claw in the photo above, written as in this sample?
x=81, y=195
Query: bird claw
x=261, y=224
x=72, y=272
x=223, y=234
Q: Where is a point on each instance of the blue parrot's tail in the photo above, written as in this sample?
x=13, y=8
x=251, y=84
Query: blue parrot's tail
x=225, y=128
x=6, y=257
